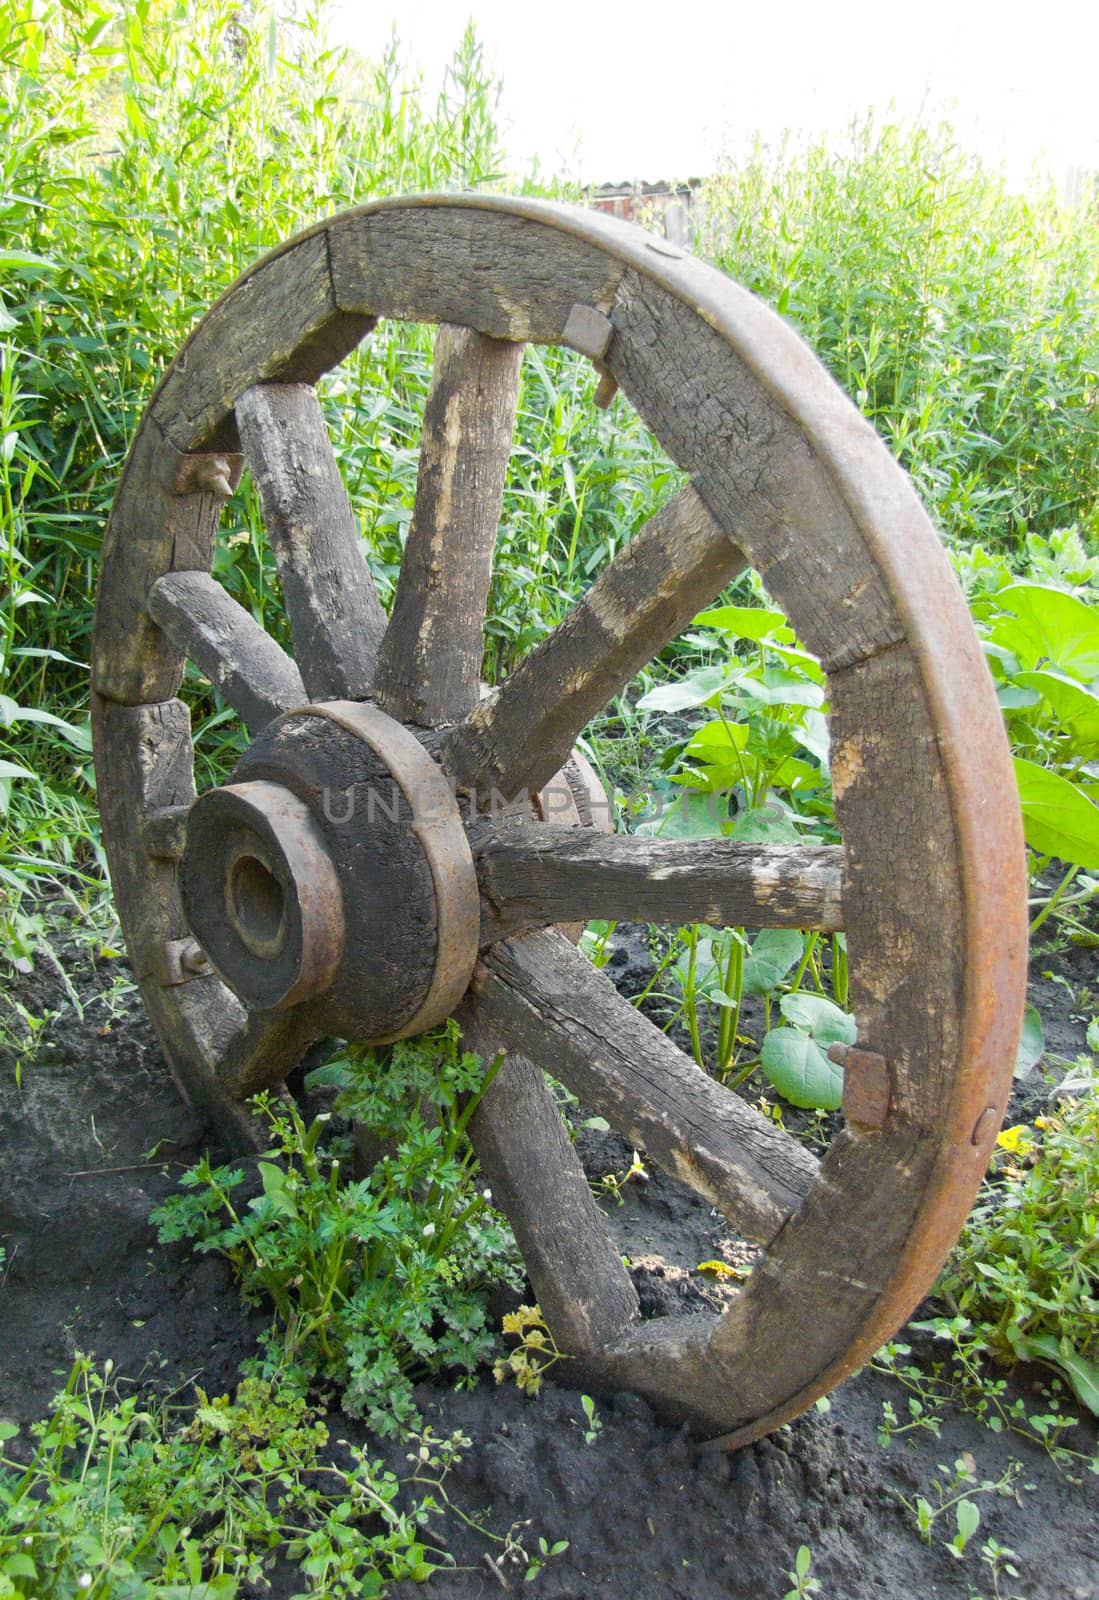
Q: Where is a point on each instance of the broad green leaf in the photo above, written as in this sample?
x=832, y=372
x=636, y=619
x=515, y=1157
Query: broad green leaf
x=747, y=622
x=1073, y=704
x=694, y=689
x=1058, y=818
x=1031, y=1042
x=330, y=1073
x=717, y=735
x=774, y=952
x=820, y=1017
x=1081, y=1373
x=719, y=775
x=716, y=759
x=812, y=735
x=1014, y=698
x=800, y=1070
x=8, y=769
x=777, y=686
x=800, y=775
x=692, y=815
x=801, y=661
x=1000, y=657
x=274, y=1187
x=1051, y=625
x=762, y=825
x=968, y=1519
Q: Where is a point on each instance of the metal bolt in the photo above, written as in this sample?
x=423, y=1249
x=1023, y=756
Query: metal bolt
x=193, y=958
x=984, y=1125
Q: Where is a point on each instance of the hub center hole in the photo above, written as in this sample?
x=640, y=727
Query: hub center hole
x=256, y=906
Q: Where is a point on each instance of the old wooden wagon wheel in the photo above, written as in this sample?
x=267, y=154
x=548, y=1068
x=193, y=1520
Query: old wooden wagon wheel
x=382, y=922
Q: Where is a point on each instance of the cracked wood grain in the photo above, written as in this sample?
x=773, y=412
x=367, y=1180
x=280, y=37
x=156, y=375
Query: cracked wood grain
x=241, y=660
x=336, y=618
x=538, y=876
x=538, y=996
x=429, y=667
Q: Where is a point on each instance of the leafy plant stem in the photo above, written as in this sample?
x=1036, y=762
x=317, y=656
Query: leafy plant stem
x=1054, y=899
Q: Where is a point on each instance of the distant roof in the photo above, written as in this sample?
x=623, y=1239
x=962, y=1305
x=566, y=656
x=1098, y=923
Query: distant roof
x=640, y=186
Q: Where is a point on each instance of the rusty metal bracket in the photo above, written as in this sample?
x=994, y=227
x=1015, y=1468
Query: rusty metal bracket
x=867, y=1084
x=607, y=387
x=178, y=961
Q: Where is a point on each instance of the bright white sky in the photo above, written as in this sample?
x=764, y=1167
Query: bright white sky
x=615, y=92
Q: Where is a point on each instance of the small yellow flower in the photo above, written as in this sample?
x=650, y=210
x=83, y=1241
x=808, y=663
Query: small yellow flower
x=721, y=1269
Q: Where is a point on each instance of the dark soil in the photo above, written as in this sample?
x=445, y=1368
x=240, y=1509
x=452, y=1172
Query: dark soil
x=95, y=1136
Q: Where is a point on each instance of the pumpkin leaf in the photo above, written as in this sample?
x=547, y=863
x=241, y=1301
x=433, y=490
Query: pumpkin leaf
x=1058, y=818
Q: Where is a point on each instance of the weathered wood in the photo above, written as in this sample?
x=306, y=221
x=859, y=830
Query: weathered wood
x=389, y=900
x=754, y=469
x=538, y=996
x=480, y=268
x=279, y=323
x=164, y=519
x=144, y=761
x=266, y=1049
x=241, y=660
x=861, y=1251
x=533, y=877
x=522, y=733
x=164, y=831
x=526, y=1156
x=336, y=618
x=429, y=666
x=904, y=905
x=827, y=1272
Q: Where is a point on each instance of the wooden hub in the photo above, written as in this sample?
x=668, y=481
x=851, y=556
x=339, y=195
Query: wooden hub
x=262, y=894
x=401, y=913
x=336, y=863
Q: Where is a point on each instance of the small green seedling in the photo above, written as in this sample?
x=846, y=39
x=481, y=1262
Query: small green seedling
x=804, y=1583
x=546, y=1552
x=595, y=1421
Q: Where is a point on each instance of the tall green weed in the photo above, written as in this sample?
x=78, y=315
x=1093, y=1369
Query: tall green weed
x=961, y=317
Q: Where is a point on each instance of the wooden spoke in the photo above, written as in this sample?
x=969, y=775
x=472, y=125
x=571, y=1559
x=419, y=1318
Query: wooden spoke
x=266, y=1049
x=577, y=1274
x=336, y=618
x=533, y=877
x=224, y=641
x=429, y=668
x=520, y=736
x=539, y=996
